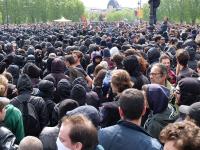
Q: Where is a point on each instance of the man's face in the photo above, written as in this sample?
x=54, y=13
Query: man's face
x=166, y=62
x=198, y=70
x=162, y=41
x=156, y=76
x=64, y=135
x=177, y=94
x=75, y=58
x=97, y=60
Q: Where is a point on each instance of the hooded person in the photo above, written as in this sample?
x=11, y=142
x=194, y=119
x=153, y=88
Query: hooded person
x=31, y=59
x=96, y=59
x=15, y=71
x=24, y=87
x=153, y=55
x=161, y=112
x=46, y=91
x=64, y=88
x=49, y=135
x=48, y=66
x=39, y=58
x=9, y=59
x=78, y=93
x=33, y=72
x=82, y=82
x=192, y=63
x=107, y=58
x=57, y=70
x=30, y=50
x=19, y=60
x=188, y=91
x=93, y=99
x=8, y=48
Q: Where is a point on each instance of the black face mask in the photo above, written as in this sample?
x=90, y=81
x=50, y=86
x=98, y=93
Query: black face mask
x=39, y=57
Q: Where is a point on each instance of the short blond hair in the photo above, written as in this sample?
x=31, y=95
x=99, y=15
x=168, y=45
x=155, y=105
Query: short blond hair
x=3, y=85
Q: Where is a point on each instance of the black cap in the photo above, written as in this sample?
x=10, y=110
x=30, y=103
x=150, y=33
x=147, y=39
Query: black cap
x=193, y=111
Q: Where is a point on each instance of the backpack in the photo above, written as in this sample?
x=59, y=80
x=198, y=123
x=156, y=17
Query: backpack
x=30, y=117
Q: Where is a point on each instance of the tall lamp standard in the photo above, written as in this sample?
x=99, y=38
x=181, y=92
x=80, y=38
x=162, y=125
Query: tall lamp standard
x=139, y=9
x=6, y=7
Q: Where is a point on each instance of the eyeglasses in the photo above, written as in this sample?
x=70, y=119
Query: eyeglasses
x=177, y=91
x=154, y=74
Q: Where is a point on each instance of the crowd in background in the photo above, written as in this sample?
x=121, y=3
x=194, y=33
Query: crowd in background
x=112, y=86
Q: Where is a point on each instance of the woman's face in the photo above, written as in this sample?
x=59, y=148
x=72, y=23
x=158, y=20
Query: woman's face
x=177, y=94
x=114, y=89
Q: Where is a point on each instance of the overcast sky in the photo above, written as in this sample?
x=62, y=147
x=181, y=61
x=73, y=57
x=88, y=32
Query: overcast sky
x=102, y=4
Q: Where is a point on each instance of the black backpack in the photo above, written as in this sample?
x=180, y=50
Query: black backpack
x=30, y=116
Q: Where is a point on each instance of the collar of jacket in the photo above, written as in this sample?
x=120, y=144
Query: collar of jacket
x=133, y=126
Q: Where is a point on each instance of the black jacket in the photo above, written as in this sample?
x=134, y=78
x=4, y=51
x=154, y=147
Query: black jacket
x=24, y=87
x=48, y=137
x=7, y=139
x=39, y=105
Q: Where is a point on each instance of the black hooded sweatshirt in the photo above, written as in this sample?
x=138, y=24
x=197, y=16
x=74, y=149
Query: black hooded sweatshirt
x=25, y=88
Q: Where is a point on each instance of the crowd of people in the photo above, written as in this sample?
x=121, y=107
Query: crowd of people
x=107, y=86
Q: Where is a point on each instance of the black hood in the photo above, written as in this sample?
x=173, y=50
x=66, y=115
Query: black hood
x=24, y=84
x=58, y=66
x=153, y=55
x=15, y=71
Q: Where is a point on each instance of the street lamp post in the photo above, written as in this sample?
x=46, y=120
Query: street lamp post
x=6, y=7
x=139, y=8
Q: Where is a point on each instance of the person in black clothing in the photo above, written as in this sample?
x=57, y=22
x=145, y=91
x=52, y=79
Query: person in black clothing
x=24, y=87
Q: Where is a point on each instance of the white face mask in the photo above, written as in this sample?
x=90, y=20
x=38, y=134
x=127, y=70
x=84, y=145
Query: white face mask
x=60, y=145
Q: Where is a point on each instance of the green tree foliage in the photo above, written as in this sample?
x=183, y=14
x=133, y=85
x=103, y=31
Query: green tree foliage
x=178, y=11
x=121, y=15
x=32, y=11
x=125, y=14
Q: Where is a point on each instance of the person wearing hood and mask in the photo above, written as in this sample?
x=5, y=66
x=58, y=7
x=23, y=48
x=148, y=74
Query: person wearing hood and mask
x=25, y=88
x=153, y=55
x=15, y=71
x=96, y=59
x=46, y=91
x=57, y=70
x=161, y=112
x=33, y=72
x=39, y=58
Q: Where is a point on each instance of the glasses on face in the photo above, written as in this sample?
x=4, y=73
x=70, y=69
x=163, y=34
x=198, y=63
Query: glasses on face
x=154, y=74
x=177, y=90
